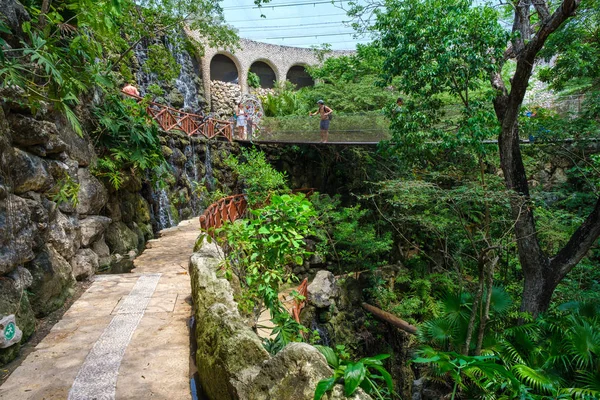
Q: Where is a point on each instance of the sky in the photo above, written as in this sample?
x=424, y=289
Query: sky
x=298, y=23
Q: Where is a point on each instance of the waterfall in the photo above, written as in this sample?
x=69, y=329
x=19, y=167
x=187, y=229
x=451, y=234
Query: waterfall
x=186, y=82
x=164, y=217
x=323, y=334
x=208, y=176
x=143, y=78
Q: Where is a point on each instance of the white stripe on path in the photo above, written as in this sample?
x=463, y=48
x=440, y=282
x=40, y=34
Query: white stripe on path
x=97, y=378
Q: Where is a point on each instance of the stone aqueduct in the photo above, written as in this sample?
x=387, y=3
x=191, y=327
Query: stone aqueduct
x=270, y=62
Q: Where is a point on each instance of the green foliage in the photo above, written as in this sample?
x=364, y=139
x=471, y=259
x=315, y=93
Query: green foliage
x=257, y=175
x=253, y=80
x=348, y=236
x=368, y=373
x=554, y=356
x=262, y=251
x=127, y=138
x=161, y=62
x=66, y=191
x=575, y=47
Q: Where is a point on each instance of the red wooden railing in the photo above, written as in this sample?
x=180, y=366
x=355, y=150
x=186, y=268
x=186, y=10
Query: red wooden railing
x=230, y=209
x=192, y=124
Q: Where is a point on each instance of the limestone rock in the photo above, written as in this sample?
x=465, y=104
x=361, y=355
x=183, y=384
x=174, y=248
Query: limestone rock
x=92, y=194
x=322, y=290
x=52, y=280
x=100, y=247
x=64, y=235
x=559, y=176
x=85, y=264
x=79, y=148
x=178, y=157
x=14, y=14
x=292, y=374
x=22, y=278
x=28, y=131
x=29, y=173
x=120, y=238
x=92, y=228
x=16, y=233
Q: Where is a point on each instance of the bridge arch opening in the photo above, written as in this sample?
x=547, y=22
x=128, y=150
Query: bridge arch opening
x=299, y=77
x=265, y=73
x=223, y=68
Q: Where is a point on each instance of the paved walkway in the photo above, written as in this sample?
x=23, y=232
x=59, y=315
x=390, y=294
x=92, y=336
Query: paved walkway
x=126, y=337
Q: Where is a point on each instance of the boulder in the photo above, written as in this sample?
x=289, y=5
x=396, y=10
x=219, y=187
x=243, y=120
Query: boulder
x=79, y=148
x=84, y=263
x=178, y=157
x=101, y=248
x=17, y=232
x=292, y=374
x=52, y=280
x=92, y=194
x=29, y=173
x=21, y=277
x=14, y=15
x=120, y=238
x=92, y=228
x=113, y=209
x=28, y=131
x=64, y=234
x=323, y=290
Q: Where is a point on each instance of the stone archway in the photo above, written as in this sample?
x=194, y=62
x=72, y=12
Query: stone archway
x=265, y=72
x=298, y=75
x=223, y=68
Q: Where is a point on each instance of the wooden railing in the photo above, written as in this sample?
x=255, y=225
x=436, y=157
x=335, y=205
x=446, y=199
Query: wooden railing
x=230, y=209
x=299, y=304
x=192, y=124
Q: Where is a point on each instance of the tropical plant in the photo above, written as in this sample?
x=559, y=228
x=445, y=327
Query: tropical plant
x=367, y=373
x=127, y=139
x=253, y=80
x=262, y=250
x=66, y=190
x=257, y=175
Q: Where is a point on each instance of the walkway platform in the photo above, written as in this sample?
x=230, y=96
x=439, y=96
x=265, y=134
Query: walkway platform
x=126, y=337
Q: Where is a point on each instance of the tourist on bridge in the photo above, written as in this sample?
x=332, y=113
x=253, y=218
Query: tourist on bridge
x=325, y=113
x=240, y=114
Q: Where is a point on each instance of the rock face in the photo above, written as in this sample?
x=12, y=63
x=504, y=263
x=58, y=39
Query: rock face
x=322, y=290
x=231, y=361
x=92, y=194
x=29, y=173
x=16, y=233
x=52, y=280
x=92, y=228
x=85, y=264
x=120, y=238
x=64, y=235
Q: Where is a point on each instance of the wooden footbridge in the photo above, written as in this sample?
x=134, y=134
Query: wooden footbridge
x=169, y=118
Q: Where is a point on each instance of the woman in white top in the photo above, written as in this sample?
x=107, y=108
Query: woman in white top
x=240, y=114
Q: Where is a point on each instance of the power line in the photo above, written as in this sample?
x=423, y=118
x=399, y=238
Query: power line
x=334, y=42
x=303, y=36
x=277, y=19
x=280, y=5
x=290, y=26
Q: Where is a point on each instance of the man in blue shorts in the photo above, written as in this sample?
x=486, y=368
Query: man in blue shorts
x=325, y=113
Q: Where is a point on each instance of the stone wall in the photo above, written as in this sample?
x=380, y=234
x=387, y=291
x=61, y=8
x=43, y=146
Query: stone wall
x=232, y=363
x=225, y=96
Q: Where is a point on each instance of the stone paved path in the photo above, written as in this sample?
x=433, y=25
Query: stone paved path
x=128, y=330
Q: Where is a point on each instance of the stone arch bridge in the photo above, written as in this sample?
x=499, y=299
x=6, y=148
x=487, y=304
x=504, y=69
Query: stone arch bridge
x=270, y=62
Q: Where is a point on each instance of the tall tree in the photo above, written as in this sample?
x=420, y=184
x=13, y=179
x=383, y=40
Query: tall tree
x=439, y=46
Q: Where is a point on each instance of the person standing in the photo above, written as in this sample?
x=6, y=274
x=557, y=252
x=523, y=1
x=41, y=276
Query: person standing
x=240, y=114
x=325, y=113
